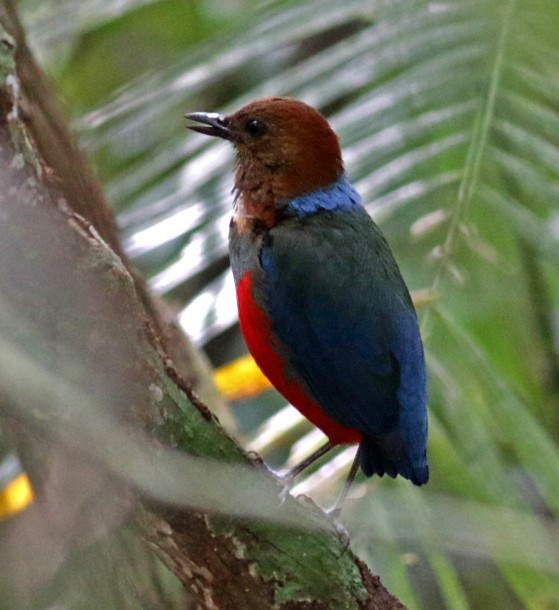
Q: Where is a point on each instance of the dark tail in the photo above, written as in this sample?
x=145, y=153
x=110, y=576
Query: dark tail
x=386, y=455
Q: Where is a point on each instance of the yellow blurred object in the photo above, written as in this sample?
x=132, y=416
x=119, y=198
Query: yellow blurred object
x=241, y=379
x=16, y=496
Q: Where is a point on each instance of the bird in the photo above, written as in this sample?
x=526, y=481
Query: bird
x=322, y=304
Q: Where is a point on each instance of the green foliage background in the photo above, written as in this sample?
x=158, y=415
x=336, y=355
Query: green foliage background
x=448, y=117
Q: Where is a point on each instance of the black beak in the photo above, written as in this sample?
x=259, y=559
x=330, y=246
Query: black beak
x=213, y=124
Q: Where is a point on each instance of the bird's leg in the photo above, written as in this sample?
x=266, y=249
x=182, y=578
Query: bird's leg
x=288, y=478
x=298, y=469
x=337, y=508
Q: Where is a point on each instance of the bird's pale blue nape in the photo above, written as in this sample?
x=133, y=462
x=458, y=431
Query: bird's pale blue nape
x=339, y=196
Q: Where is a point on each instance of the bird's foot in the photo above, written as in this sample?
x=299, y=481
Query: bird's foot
x=286, y=480
x=339, y=527
x=334, y=512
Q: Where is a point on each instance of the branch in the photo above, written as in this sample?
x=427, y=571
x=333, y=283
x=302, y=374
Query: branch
x=96, y=329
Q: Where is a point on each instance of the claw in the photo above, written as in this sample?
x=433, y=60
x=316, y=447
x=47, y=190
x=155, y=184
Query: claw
x=286, y=480
x=340, y=528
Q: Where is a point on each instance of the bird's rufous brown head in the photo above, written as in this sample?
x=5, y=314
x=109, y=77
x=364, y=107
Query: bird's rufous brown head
x=284, y=149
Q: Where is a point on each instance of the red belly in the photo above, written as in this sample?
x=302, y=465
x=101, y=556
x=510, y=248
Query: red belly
x=259, y=338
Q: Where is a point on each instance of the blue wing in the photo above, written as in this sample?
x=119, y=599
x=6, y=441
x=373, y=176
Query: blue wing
x=339, y=305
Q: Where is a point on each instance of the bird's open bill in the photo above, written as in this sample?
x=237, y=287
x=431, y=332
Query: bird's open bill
x=212, y=124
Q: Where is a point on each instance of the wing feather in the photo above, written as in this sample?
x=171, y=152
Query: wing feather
x=338, y=303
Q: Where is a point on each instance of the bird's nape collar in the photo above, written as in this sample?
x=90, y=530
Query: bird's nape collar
x=338, y=196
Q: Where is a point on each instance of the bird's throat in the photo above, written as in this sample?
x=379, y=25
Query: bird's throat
x=253, y=215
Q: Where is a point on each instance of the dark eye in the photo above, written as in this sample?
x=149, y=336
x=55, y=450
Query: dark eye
x=255, y=128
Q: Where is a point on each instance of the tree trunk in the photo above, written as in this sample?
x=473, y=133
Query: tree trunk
x=92, y=397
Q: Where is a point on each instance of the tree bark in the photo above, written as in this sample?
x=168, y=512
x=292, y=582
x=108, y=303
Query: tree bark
x=111, y=341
